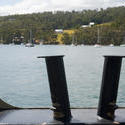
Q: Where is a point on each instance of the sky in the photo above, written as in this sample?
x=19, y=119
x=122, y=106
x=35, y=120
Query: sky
x=10, y=7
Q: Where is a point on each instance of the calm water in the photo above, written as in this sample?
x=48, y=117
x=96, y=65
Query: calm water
x=24, y=81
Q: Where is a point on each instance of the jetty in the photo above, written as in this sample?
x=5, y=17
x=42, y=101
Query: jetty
x=61, y=113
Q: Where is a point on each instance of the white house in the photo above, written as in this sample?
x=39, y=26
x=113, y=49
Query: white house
x=59, y=30
x=91, y=23
x=84, y=26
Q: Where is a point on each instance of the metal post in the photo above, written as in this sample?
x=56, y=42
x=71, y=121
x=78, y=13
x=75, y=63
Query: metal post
x=109, y=87
x=58, y=87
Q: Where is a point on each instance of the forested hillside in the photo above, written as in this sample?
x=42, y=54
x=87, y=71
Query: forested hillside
x=110, y=22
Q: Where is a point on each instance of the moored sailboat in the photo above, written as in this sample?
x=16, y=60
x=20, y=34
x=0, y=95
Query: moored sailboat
x=30, y=43
x=98, y=39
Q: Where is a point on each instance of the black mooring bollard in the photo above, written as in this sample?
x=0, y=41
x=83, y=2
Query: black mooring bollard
x=58, y=88
x=109, y=87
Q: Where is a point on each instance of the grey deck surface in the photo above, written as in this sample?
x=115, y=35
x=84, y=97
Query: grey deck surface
x=45, y=117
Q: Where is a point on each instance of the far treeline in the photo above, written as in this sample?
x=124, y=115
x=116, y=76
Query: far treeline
x=108, y=28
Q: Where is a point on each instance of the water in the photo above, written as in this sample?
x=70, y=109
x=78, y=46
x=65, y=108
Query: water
x=24, y=81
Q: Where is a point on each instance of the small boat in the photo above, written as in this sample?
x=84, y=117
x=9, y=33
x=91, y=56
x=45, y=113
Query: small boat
x=72, y=44
x=29, y=45
x=97, y=45
x=111, y=45
x=122, y=45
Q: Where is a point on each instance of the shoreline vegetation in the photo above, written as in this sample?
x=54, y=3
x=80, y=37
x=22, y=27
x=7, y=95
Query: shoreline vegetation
x=108, y=27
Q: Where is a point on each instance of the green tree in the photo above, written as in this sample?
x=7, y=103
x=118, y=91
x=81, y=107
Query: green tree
x=66, y=39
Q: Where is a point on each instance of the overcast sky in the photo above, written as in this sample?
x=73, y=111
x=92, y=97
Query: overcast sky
x=8, y=7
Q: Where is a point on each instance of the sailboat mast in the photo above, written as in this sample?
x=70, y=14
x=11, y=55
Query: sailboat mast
x=1, y=40
x=124, y=40
x=76, y=40
x=30, y=36
x=98, y=36
x=73, y=37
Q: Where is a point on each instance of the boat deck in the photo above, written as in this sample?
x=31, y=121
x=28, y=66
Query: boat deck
x=45, y=117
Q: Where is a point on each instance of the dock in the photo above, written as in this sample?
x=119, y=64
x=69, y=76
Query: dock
x=82, y=116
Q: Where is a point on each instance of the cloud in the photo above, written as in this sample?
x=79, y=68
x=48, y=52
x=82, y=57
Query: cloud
x=30, y=6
